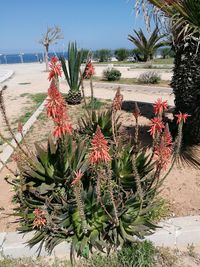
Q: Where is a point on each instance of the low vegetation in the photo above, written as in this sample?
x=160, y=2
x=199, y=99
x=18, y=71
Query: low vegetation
x=111, y=74
x=150, y=77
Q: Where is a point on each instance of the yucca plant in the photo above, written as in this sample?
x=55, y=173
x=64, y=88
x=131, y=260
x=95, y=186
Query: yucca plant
x=71, y=71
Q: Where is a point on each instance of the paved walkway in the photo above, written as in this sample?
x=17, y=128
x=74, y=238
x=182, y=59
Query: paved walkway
x=175, y=233
x=139, y=93
x=5, y=74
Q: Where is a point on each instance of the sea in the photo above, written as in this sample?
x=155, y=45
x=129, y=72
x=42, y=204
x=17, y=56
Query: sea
x=27, y=57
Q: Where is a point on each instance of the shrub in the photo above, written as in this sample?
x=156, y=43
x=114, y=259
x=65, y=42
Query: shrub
x=111, y=74
x=149, y=78
x=122, y=54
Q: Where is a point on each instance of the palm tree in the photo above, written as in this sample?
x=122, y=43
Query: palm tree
x=184, y=19
x=50, y=37
x=146, y=46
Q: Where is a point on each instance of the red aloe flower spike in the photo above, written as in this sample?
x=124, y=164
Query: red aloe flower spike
x=61, y=130
x=55, y=68
x=167, y=136
x=136, y=111
x=54, y=100
x=117, y=102
x=56, y=108
x=160, y=106
x=181, y=117
x=40, y=219
x=156, y=126
x=99, y=150
x=89, y=69
x=163, y=154
x=78, y=176
x=163, y=150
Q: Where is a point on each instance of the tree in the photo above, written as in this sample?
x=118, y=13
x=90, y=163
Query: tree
x=121, y=54
x=50, y=37
x=147, y=46
x=167, y=52
x=185, y=26
x=103, y=55
x=85, y=54
x=136, y=53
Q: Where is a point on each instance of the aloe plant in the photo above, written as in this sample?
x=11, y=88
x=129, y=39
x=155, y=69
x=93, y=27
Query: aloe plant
x=91, y=191
x=71, y=71
x=47, y=186
x=88, y=123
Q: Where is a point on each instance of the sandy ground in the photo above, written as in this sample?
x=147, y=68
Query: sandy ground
x=31, y=78
x=182, y=187
x=128, y=72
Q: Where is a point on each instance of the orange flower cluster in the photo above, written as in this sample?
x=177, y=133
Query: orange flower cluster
x=55, y=68
x=181, y=117
x=117, y=102
x=163, y=147
x=160, y=106
x=56, y=109
x=156, y=126
x=40, y=219
x=100, y=149
x=89, y=70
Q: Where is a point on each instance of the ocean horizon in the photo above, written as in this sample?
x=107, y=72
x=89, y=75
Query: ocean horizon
x=27, y=57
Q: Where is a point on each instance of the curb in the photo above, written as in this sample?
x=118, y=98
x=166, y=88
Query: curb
x=176, y=233
x=7, y=151
x=7, y=74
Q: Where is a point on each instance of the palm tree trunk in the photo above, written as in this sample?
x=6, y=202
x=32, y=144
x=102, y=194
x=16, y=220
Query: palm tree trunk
x=186, y=86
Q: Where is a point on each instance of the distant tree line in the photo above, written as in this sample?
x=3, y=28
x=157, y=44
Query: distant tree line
x=123, y=54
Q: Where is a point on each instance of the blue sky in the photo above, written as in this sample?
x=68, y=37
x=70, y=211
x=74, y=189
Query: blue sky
x=94, y=24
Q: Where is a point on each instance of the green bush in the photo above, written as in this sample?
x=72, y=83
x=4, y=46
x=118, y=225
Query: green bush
x=112, y=74
x=150, y=77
